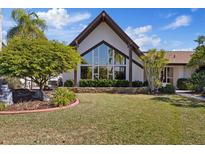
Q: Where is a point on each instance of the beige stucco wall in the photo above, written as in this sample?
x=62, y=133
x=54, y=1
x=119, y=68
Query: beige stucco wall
x=104, y=33
x=181, y=71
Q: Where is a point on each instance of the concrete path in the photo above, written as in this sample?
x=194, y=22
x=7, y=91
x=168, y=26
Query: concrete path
x=188, y=94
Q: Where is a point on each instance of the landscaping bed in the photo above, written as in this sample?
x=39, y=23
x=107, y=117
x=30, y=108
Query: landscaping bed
x=59, y=99
x=31, y=105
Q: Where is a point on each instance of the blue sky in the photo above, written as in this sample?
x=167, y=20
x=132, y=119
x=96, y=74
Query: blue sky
x=169, y=29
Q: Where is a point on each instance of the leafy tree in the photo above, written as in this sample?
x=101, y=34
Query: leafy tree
x=27, y=24
x=198, y=57
x=38, y=59
x=200, y=40
x=154, y=62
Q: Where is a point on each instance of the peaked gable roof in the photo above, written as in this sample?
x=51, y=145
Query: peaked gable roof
x=104, y=17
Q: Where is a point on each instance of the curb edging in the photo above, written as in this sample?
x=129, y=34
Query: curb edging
x=77, y=101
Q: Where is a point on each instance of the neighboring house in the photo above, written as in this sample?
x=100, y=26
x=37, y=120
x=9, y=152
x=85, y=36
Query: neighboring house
x=109, y=53
x=177, y=66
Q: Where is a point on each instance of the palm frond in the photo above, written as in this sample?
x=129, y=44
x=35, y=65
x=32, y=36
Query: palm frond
x=12, y=32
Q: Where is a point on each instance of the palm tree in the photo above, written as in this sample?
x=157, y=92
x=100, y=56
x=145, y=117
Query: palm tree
x=200, y=40
x=27, y=24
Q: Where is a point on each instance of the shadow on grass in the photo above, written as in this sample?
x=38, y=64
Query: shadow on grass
x=180, y=101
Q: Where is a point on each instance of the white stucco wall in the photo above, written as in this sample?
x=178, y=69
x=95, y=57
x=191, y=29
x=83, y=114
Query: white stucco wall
x=137, y=73
x=68, y=76
x=104, y=33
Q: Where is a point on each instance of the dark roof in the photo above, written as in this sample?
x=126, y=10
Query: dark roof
x=104, y=17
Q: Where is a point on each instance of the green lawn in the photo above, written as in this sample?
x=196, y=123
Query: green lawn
x=111, y=119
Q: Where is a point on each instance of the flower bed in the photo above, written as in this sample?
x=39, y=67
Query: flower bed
x=38, y=107
x=61, y=98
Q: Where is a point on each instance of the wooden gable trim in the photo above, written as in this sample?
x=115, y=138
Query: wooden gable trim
x=104, y=17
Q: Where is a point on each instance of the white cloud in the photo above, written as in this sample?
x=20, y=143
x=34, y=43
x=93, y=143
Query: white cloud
x=65, y=35
x=180, y=21
x=183, y=49
x=140, y=36
x=169, y=15
x=139, y=30
x=59, y=18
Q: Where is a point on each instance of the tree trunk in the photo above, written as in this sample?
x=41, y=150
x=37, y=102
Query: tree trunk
x=40, y=92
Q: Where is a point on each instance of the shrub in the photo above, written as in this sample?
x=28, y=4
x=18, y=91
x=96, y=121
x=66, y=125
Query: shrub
x=109, y=83
x=2, y=106
x=63, y=96
x=103, y=83
x=120, y=83
x=68, y=83
x=184, y=84
x=168, y=89
x=137, y=84
x=145, y=84
x=198, y=80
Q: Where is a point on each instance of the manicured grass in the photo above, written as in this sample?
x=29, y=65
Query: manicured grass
x=111, y=119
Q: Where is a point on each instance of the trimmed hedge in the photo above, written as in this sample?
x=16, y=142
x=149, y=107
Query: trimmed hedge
x=63, y=96
x=183, y=84
x=137, y=84
x=68, y=83
x=109, y=83
x=168, y=89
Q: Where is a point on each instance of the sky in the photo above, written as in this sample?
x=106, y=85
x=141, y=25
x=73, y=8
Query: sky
x=168, y=29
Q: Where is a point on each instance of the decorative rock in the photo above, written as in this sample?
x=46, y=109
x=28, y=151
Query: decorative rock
x=22, y=95
x=6, y=94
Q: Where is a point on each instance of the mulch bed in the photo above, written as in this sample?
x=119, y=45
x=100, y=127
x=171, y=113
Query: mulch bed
x=30, y=105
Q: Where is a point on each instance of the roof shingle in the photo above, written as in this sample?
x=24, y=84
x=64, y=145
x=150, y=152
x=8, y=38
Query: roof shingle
x=178, y=57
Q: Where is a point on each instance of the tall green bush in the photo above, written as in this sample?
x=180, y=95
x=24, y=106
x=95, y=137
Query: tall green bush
x=168, y=89
x=182, y=83
x=68, y=83
x=198, y=80
x=63, y=96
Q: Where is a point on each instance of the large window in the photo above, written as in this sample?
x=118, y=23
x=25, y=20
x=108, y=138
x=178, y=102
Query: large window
x=167, y=75
x=103, y=62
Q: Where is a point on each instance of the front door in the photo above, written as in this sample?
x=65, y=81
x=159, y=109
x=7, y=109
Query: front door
x=167, y=75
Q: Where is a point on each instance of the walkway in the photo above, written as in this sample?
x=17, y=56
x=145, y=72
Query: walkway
x=187, y=93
